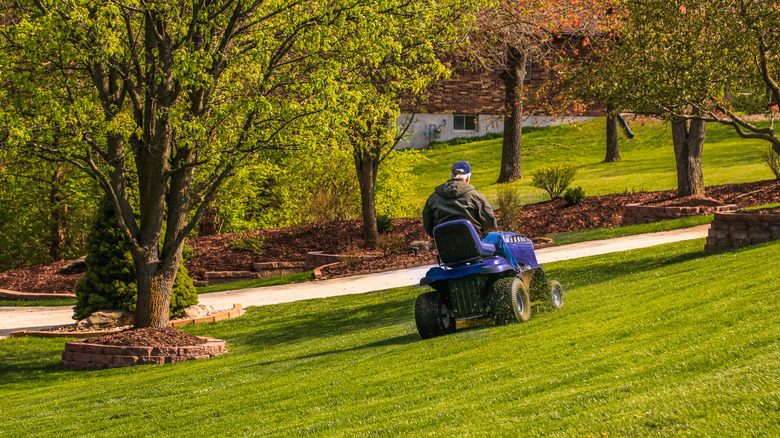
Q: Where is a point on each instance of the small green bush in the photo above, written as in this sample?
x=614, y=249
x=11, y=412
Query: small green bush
x=574, y=196
x=384, y=223
x=772, y=160
x=554, y=178
x=510, y=208
x=245, y=241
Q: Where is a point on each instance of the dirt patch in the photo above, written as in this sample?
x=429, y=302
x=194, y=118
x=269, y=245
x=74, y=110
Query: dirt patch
x=292, y=244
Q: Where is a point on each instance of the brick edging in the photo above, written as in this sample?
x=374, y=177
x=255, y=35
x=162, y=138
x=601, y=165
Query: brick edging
x=736, y=230
x=80, y=355
x=30, y=296
x=230, y=314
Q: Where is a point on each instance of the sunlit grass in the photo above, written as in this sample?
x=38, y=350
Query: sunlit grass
x=647, y=161
x=664, y=341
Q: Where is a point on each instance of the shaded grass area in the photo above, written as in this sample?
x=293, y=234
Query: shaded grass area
x=299, y=277
x=647, y=161
x=664, y=341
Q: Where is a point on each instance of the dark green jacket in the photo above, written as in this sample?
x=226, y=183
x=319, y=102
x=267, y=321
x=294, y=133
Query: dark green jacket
x=458, y=199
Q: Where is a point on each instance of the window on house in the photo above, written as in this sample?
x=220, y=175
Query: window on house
x=465, y=123
x=528, y=66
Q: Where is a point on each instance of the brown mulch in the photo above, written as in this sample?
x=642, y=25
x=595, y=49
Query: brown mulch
x=148, y=337
x=292, y=244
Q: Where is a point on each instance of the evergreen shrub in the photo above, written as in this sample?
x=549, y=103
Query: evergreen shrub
x=574, y=196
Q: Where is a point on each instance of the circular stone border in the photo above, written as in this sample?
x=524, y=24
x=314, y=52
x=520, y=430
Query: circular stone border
x=80, y=355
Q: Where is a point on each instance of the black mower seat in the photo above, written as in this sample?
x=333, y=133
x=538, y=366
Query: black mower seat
x=458, y=242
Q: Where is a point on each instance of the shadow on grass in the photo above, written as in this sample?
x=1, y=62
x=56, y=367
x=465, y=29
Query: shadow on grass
x=396, y=340
x=26, y=371
x=599, y=271
x=312, y=323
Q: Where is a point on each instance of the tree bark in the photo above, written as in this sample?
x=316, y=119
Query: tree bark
x=155, y=285
x=613, y=151
x=511, y=147
x=367, y=166
x=57, y=219
x=688, y=137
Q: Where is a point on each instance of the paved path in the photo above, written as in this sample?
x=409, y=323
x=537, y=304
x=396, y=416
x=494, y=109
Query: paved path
x=19, y=318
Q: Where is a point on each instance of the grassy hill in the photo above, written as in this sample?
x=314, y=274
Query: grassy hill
x=664, y=341
x=647, y=160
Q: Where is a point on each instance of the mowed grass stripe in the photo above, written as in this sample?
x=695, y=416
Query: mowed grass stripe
x=664, y=341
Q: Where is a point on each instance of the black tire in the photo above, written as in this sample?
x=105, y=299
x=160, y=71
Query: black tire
x=431, y=314
x=509, y=301
x=538, y=288
x=555, y=295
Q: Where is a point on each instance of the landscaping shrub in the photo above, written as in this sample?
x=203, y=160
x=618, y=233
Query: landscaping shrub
x=772, y=160
x=574, y=196
x=391, y=244
x=351, y=256
x=384, y=223
x=109, y=283
x=245, y=241
x=510, y=208
x=554, y=178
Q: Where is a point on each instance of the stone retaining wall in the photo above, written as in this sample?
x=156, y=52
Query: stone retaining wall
x=735, y=230
x=79, y=355
x=260, y=270
x=634, y=214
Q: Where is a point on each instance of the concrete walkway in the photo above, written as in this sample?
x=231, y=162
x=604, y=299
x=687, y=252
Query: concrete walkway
x=20, y=318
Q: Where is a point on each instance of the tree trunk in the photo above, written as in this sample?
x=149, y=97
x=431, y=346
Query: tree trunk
x=367, y=166
x=155, y=286
x=613, y=151
x=688, y=137
x=513, y=124
x=57, y=219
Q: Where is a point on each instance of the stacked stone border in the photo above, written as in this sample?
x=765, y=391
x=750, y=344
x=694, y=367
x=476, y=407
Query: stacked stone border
x=634, y=214
x=260, y=270
x=235, y=312
x=736, y=230
x=80, y=355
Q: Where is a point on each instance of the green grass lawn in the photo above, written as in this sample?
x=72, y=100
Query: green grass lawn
x=664, y=341
x=647, y=160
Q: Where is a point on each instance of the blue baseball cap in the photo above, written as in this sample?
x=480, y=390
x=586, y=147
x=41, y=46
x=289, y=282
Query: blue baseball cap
x=461, y=168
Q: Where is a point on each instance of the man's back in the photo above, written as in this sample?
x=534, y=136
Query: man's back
x=457, y=199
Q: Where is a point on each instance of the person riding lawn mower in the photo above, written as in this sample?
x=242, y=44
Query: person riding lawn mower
x=482, y=273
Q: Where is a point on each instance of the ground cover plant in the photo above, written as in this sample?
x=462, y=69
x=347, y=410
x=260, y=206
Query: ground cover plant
x=647, y=161
x=650, y=343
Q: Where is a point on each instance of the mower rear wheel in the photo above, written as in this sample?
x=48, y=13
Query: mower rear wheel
x=509, y=301
x=431, y=314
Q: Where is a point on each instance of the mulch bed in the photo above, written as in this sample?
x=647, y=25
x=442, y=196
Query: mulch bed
x=292, y=244
x=148, y=337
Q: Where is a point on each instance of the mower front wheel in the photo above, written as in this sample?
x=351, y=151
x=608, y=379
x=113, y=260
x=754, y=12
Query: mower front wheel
x=509, y=301
x=431, y=314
